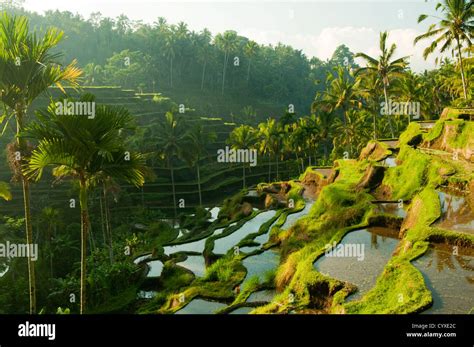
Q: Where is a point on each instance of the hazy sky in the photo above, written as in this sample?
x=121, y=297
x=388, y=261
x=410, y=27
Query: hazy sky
x=317, y=27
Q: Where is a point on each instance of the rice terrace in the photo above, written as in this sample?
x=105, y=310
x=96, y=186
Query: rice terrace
x=320, y=166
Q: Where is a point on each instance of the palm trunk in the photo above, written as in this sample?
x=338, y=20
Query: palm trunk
x=375, y=135
x=388, y=113
x=104, y=237
x=461, y=66
x=243, y=175
x=248, y=73
x=203, y=75
x=277, y=174
x=174, y=192
x=171, y=72
x=223, y=72
x=269, y=169
x=199, y=183
x=84, y=232
x=108, y=226
x=22, y=147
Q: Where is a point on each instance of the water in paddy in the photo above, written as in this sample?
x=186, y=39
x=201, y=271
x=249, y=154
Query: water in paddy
x=259, y=265
x=214, y=213
x=449, y=277
x=200, y=306
x=262, y=295
x=222, y=245
x=195, y=263
x=242, y=310
x=146, y=294
x=391, y=208
x=456, y=213
x=195, y=246
x=141, y=258
x=389, y=162
x=249, y=249
x=292, y=218
x=378, y=245
x=2, y=273
x=156, y=267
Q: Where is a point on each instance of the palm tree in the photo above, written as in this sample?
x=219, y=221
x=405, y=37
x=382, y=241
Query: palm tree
x=370, y=90
x=324, y=126
x=169, y=52
x=227, y=42
x=85, y=150
x=270, y=135
x=352, y=135
x=171, y=141
x=243, y=137
x=199, y=139
x=385, y=67
x=204, y=50
x=453, y=30
x=28, y=67
x=250, y=51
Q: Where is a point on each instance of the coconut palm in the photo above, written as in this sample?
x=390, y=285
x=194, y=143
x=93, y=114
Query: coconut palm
x=204, y=51
x=270, y=141
x=169, y=52
x=227, y=42
x=454, y=30
x=384, y=66
x=243, y=137
x=199, y=139
x=28, y=67
x=370, y=90
x=250, y=50
x=86, y=150
x=171, y=141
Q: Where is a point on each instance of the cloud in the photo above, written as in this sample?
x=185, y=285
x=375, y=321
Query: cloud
x=358, y=39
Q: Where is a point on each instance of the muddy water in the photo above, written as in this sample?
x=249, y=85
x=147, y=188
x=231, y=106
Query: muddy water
x=456, y=213
x=449, y=277
x=259, y=265
x=378, y=245
x=194, y=263
x=222, y=245
x=195, y=246
x=200, y=306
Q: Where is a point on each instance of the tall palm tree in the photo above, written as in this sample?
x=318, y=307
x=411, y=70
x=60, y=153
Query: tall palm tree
x=28, y=67
x=455, y=29
x=85, y=150
x=169, y=52
x=227, y=42
x=384, y=66
x=370, y=90
x=250, y=50
x=199, y=139
x=171, y=141
x=243, y=137
x=270, y=141
x=204, y=50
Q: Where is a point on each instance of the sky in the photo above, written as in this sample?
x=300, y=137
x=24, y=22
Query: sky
x=316, y=27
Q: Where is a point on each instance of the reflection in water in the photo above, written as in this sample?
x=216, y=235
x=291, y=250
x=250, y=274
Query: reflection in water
x=242, y=310
x=449, y=277
x=261, y=295
x=195, y=246
x=156, y=267
x=195, y=263
x=292, y=218
x=222, y=245
x=200, y=306
x=456, y=213
x=391, y=208
x=378, y=244
x=259, y=265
